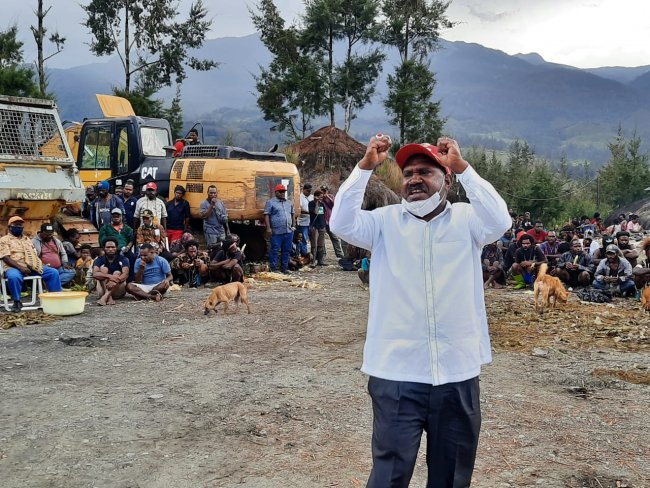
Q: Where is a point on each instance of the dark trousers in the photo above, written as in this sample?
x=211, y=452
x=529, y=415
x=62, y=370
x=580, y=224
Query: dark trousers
x=450, y=415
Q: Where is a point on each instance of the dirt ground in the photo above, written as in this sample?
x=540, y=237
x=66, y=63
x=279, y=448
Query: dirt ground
x=167, y=397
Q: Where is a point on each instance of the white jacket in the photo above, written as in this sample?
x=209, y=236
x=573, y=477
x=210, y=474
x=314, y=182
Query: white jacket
x=427, y=321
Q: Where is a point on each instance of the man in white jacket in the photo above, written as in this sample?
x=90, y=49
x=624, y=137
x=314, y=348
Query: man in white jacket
x=427, y=331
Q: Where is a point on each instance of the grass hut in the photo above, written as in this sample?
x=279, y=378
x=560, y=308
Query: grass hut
x=327, y=157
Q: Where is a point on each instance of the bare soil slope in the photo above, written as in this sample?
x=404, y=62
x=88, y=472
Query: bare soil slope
x=168, y=397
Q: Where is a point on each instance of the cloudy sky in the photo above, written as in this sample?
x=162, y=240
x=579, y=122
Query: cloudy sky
x=582, y=33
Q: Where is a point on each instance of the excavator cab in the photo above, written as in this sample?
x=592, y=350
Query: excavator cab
x=123, y=146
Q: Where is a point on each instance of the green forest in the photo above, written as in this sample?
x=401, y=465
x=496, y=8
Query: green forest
x=305, y=81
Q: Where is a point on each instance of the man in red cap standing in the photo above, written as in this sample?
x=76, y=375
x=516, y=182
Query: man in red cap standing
x=280, y=222
x=150, y=201
x=18, y=253
x=427, y=327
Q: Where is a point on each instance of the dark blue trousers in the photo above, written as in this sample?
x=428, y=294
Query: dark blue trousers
x=280, y=242
x=450, y=415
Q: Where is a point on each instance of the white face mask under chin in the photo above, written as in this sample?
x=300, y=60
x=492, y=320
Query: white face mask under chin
x=420, y=208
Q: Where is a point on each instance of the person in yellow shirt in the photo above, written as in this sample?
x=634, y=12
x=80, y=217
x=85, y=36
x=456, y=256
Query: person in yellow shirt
x=19, y=255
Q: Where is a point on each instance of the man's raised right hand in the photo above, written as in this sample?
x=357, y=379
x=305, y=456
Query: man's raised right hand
x=376, y=152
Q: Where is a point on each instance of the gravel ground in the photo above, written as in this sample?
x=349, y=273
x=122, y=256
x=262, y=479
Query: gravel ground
x=159, y=395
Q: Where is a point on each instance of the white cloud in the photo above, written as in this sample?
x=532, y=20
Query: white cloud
x=582, y=33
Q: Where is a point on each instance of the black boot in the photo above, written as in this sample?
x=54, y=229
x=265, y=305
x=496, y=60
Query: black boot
x=17, y=306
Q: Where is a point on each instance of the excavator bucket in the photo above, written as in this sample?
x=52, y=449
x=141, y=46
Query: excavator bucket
x=115, y=106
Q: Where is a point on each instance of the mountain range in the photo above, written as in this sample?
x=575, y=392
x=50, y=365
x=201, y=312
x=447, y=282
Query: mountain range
x=489, y=98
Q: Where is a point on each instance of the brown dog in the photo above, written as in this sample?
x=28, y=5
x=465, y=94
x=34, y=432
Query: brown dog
x=224, y=294
x=645, y=298
x=548, y=286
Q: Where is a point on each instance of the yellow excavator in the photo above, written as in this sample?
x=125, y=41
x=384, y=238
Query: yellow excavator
x=122, y=146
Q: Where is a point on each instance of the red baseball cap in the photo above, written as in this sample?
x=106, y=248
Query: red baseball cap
x=280, y=187
x=428, y=150
x=523, y=233
x=151, y=186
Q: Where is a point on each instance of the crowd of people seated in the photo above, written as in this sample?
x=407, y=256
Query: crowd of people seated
x=145, y=246
x=584, y=253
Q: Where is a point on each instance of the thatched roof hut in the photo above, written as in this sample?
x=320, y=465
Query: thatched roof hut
x=328, y=150
x=328, y=156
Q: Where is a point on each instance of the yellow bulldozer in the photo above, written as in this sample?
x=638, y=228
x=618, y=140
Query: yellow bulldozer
x=122, y=146
x=38, y=175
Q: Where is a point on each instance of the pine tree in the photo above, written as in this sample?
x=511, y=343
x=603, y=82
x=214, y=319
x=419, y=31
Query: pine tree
x=16, y=79
x=413, y=28
x=291, y=91
x=148, y=39
x=350, y=82
x=627, y=174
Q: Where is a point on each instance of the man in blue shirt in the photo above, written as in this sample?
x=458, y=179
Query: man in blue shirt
x=129, y=203
x=111, y=272
x=280, y=224
x=104, y=204
x=153, y=275
x=215, y=218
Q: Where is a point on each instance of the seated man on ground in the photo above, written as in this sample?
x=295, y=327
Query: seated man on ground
x=566, y=236
x=509, y=255
x=19, y=256
x=492, y=263
x=122, y=233
x=615, y=273
x=538, y=232
x=626, y=247
x=191, y=267
x=575, y=267
x=599, y=253
x=153, y=275
x=51, y=252
x=505, y=240
x=550, y=248
x=110, y=272
x=634, y=226
x=528, y=254
x=227, y=263
x=299, y=256
x=178, y=246
x=586, y=225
